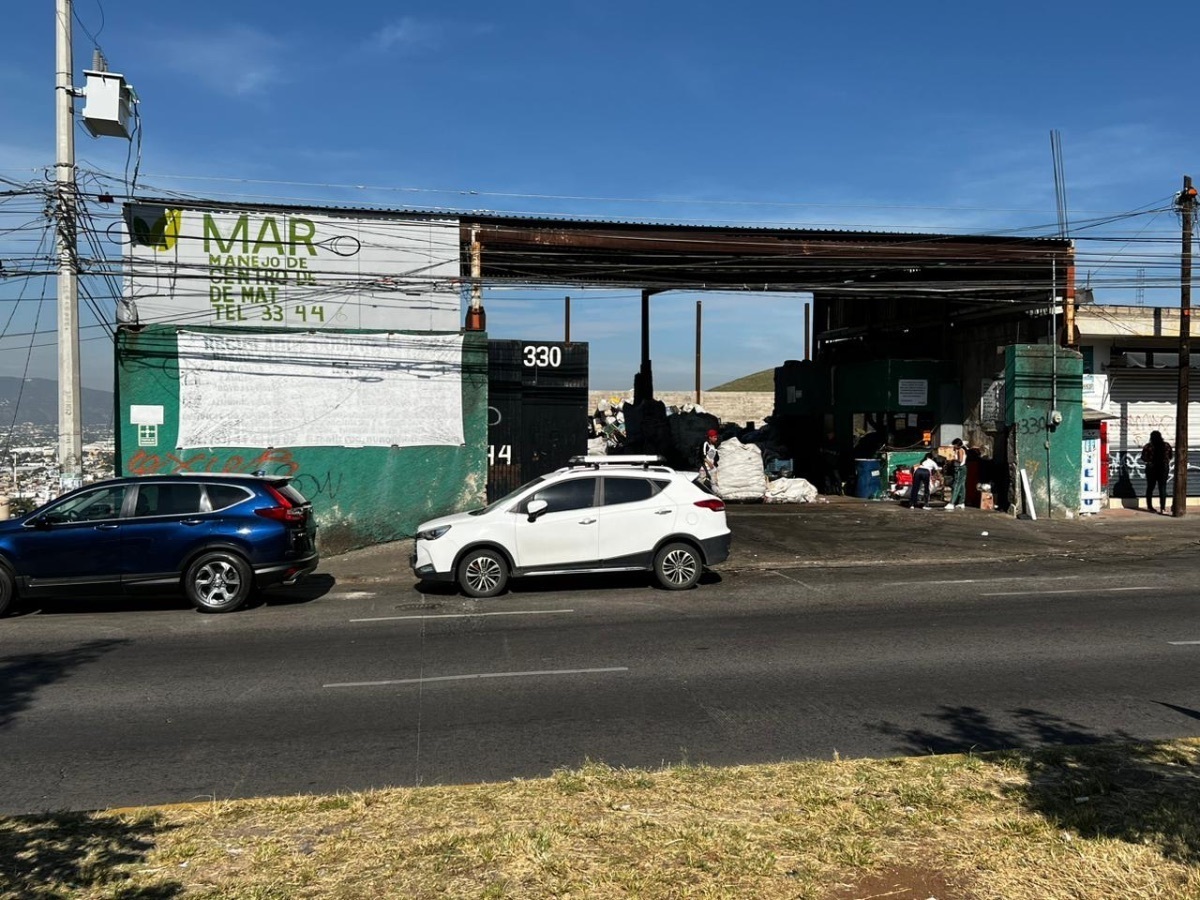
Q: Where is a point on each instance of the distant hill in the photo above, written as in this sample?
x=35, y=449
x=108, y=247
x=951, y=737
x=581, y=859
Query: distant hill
x=759, y=381
x=39, y=403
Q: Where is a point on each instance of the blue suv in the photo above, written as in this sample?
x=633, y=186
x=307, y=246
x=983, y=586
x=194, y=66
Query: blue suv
x=217, y=536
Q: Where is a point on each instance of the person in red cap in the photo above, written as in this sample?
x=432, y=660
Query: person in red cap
x=710, y=457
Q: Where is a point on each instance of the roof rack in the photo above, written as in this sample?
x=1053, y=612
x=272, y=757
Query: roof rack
x=595, y=462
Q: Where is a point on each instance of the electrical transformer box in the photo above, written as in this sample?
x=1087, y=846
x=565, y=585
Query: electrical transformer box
x=108, y=104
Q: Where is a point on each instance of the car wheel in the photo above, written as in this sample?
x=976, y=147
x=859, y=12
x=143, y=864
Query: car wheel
x=677, y=566
x=8, y=591
x=482, y=573
x=218, y=582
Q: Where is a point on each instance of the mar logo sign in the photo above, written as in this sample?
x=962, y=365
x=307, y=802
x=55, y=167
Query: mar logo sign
x=158, y=231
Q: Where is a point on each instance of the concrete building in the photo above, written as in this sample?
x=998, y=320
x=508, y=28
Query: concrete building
x=1130, y=365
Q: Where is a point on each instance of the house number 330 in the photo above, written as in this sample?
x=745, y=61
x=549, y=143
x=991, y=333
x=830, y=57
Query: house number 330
x=541, y=356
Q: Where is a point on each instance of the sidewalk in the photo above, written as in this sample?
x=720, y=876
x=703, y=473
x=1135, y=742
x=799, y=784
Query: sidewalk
x=847, y=531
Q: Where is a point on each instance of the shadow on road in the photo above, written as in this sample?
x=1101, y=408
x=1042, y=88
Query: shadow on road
x=22, y=676
x=1097, y=785
x=304, y=591
x=75, y=854
x=552, y=584
x=314, y=587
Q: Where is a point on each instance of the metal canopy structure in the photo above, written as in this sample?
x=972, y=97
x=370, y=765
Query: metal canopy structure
x=674, y=257
x=865, y=285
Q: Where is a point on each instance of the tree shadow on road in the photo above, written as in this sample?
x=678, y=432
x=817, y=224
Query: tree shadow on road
x=22, y=676
x=1095, y=784
x=61, y=855
x=66, y=854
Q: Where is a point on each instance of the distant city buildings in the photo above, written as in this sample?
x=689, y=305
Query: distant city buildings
x=29, y=473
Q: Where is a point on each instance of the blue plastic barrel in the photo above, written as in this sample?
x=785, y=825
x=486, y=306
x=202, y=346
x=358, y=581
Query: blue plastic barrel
x=867, y=484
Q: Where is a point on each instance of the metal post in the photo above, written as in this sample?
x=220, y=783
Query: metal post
x=698, y=340
x=1186, y=202
x=567, y=320
x=476, y=316
x=643, y=383
x=70, y=416
x=645, y=328
x=807, y=328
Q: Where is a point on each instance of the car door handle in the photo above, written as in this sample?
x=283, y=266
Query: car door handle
x=191, y=521
x=587, y=521
x=107, y=527
x=663, y=512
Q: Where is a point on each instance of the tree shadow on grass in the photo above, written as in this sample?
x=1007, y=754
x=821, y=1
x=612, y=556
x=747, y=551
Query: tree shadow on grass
x=62, y=855
x=1095, y=784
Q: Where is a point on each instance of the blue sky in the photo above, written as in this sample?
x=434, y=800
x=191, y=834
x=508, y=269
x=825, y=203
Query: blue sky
x=914, y=117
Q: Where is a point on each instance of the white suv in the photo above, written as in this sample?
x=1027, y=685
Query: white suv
x=599, y=514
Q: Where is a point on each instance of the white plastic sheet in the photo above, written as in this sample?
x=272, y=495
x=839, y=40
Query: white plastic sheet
x=790, y=490
x=319, y=390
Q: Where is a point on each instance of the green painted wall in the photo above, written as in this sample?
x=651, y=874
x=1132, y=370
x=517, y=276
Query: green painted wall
x=360, y=495
x=1039, y=378
x=874, y=386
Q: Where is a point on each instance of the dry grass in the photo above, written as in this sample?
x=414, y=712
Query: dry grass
x=1067, y=823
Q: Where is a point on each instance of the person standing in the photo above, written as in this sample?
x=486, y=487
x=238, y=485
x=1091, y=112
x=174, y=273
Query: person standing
x=1156, y=456
x=919, y=492
x=709, y=458
x=958, y=468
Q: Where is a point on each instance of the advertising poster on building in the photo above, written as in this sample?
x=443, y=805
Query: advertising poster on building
x=319, y=390
x=281, y=269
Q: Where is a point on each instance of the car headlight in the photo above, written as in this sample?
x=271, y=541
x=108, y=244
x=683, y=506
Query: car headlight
x=433, y=533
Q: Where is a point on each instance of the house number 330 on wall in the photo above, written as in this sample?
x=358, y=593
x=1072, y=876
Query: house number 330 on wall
x=540, y=356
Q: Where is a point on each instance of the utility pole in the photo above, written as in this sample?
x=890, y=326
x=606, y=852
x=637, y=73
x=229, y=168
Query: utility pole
x=699, y=336
x=70, y=418
x=1185, y=202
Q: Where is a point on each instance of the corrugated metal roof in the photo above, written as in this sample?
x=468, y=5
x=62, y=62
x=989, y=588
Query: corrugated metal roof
x=491, y=216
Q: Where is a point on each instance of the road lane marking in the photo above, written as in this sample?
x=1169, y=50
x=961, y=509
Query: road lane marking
x=790, y=578
x=1111, y=590
x=984, y=580
x=353, y=684
x=352, y=595
x=512, y=612
x=1183, y=643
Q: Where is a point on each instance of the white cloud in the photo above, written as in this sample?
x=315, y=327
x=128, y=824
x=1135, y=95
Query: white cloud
x=407, y=35
x=239, y=61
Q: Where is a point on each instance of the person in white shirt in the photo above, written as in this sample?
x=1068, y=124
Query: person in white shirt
x=919, y=496
x=709, y=458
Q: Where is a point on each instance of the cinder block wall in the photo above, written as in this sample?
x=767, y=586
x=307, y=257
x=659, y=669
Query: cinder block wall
x=728, y=406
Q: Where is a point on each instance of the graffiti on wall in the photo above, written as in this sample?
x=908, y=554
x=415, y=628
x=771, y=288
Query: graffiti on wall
x=272, y=461
x=1127, y=472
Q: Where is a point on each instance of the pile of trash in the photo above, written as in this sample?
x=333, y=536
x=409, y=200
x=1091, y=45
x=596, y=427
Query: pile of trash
x=753, y=464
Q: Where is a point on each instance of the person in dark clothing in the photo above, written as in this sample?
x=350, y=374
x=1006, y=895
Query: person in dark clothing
x=1156, y=457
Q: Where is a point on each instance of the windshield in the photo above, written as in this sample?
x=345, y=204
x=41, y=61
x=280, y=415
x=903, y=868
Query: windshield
x=507, y=497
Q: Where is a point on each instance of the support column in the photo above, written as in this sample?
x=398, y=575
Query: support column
x=70, y=416
x=643, y=382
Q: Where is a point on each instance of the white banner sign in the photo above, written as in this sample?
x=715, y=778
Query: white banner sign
x=292, y=270
x=319, y=390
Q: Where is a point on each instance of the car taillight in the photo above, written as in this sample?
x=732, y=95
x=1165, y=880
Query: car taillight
x=284, y=512
x=713, y=504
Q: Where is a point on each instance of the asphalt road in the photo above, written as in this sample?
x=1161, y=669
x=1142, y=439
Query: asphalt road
x=335, y=689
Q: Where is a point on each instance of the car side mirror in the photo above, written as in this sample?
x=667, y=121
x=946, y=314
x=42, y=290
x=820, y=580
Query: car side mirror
x=536, y=508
